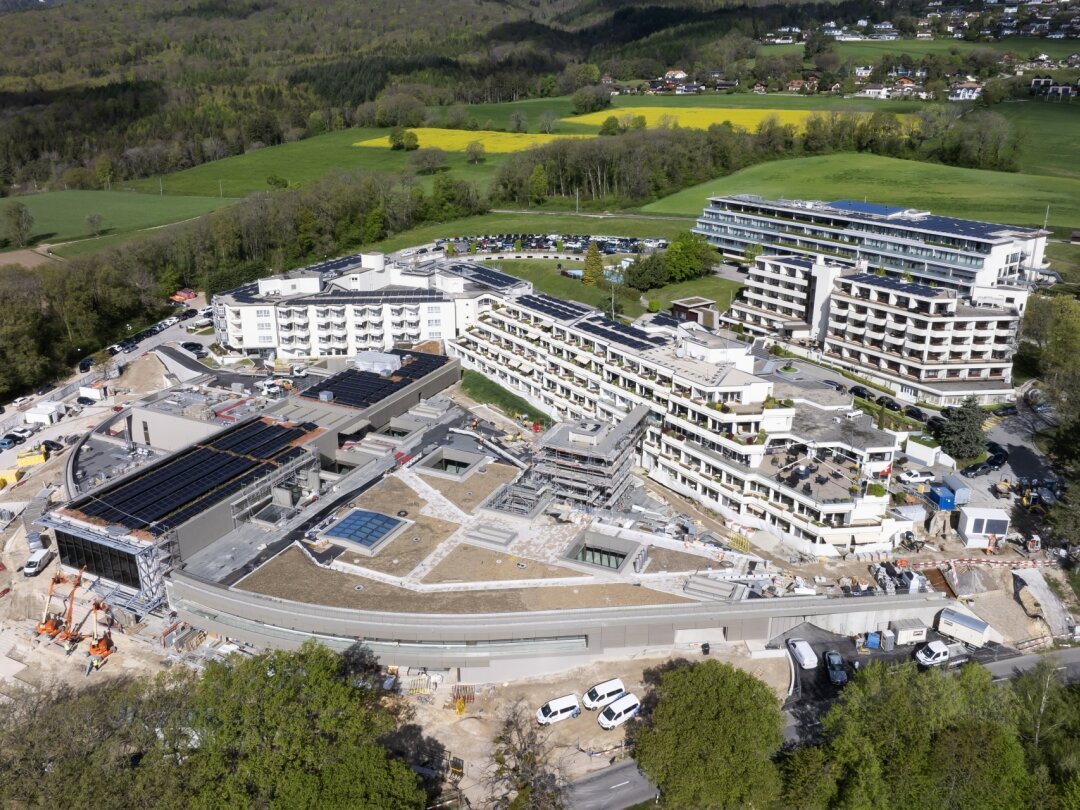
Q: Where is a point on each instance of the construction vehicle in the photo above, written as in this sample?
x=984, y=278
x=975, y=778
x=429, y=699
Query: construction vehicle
x=1003, y=488
x=101, y=644
x=50, y=622
x=68, y=636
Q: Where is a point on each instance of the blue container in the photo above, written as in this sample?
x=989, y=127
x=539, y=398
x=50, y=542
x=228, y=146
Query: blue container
x=942, y=497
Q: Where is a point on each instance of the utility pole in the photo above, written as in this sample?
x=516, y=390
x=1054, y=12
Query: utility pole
x=219, y=191
x=577, y=200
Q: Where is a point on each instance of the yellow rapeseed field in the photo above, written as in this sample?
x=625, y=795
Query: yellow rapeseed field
x=699, y=117
x=455, y=140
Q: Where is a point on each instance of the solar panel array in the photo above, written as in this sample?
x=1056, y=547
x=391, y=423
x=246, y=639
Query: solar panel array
x=554, y=307
x=170, y=493
x=662, y=319
x=362, y=389
x=948, y=226
x=409, y=296
x=484, y=275
x=363, y=527
x=906, y=287
x=244, y=294
x=623, y=335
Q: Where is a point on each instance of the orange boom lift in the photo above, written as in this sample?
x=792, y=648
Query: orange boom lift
x=50, y=622
x=69, y=633
x=101, y=645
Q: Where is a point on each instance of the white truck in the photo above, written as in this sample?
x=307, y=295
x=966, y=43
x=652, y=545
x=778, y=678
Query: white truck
x=940, y=654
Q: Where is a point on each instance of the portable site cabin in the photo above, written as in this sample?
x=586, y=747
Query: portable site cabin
x=982, y=526
x=968, y=629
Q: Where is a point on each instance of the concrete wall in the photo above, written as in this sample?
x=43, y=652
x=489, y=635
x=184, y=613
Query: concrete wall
x=167, y=431
x=457, y=641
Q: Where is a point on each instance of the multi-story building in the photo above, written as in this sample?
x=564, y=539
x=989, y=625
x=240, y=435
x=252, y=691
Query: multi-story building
x=786, y=296
x=805, y=472
x=926, y=342
x=959, y=254
x=358, y=303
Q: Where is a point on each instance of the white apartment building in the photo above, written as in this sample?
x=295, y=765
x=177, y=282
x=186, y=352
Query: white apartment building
x=357, y=303
x=926, y=342
x=806, y=473
x=959, y=254
x=786, y=296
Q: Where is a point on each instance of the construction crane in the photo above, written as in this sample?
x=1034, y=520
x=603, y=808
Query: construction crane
x=101, y=644
x=50, y=622
x=68, y=632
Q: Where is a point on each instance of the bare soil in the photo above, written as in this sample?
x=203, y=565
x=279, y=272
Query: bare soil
x=467, y=495
x=291, y=575
x=468, y=563
x=665, y=559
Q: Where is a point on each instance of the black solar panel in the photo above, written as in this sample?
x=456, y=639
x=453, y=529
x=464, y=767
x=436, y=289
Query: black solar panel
x=553, y=307
x=484, y=275
x=362, y=389
x=621, y=334
x=410, y=296
x=884, y=282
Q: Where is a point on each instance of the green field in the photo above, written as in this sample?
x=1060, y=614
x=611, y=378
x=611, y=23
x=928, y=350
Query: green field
x=303, y=162
x=60, y=216
x=1015, y=199
x=481, y=389
x=1051, y=136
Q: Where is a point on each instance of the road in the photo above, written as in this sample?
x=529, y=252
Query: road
x=612, y=788
x=1066, y=660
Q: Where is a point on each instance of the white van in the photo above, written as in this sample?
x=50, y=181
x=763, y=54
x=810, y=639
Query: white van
x=803, y=653
x=602, y=694
x=38, y=562
x=619, y=712
x=558, y=709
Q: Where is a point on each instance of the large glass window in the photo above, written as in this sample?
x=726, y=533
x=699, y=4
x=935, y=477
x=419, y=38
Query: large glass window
x=100, y=560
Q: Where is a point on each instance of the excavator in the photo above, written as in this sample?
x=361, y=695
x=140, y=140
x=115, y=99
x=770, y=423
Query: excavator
x=50, y=622
x=101, y=645
x=69, y=637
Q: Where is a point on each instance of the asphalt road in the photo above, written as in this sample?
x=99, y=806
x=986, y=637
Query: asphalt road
x=612, y=788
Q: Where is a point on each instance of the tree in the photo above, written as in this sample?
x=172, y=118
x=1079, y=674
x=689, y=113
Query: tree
x=538, y=185
x=963, y=437
x=397, y=138
x=689, y=256
x=648, y=273
x=610, y=126
x=277, y=182
x=590, y=99
x=519, y=122
x=978, y=763
x=1060, y=359
x=94, y=223
x=428, y=160
x=521, y=776
x=710, y=740
x=19, y=223
x=752, y=251
x=475, y=152
x=409, y=141
x=1038, y=320
x=594, y=266
x=548, y=122
x=290, y=729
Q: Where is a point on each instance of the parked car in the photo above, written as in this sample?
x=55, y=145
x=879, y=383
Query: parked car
x=85, y=365
x=619, y=712
x=603, y=693
x=11, y=437
x=85, y=401
x=558, y=709
x=20, y=401
x=1006, y=410
x=803, y=653
x=994, y=447
x=916, y=477
x=834, y=663
x=22, y=432
x=38, y=562
x=6, y=443
x=935, y=424
x=861, y=393
x=997, y=461
x=833, y=384
x=53, y=447
x=975, y=470
x=911, y=412
x=889, y=403
x=187, y=313
x=191, y=346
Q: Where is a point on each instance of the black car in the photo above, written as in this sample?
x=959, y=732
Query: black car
x=85, y=401
x=191, y=346
x=1006, y=410
x=935, y=424
x=975, y=470
x=11, y=437
x=861, y=393
x=52, y=447
x=993, y=448
x=187, y=313
x=834, y=663
x=85, y=364
x=911, y=412
x=833, y=384
x=997, y=461
x=888, y=403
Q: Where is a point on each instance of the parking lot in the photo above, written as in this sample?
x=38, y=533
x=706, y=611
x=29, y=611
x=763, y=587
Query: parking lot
x=550, y=243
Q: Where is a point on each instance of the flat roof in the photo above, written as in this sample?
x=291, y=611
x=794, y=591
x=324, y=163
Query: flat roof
x=167, y=493
x=354, y=388
x=906, y=287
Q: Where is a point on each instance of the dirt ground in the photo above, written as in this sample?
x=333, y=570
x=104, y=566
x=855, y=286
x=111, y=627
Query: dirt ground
x=468, y=563
x=390, y=496
x=474, y=490
x=665, y=559
x=142, y=376
x=291, y=575
x=27, y=257
x=580, y=744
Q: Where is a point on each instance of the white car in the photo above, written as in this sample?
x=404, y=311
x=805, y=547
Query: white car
x=916, y=477
x=169, y=322
x=18, y=403
x=619, y=712
x=803, y=653
x=22, y=432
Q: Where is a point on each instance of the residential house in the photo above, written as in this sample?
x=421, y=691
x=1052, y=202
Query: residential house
x=760, y=88
x=795, y=86
x=725, y=86
x=965, y=91
x=878, y=91
x=863, y=71
x=675, y=75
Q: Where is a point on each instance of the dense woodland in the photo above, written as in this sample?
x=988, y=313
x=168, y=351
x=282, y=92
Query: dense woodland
x=105, y=90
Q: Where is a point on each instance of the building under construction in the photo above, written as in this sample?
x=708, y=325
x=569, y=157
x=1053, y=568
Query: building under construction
x=580, y=464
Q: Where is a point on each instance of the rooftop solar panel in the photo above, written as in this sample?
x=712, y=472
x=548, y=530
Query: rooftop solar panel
x=554, y=307
x=362, y=389
x=884, y=282
x=857, y=207
x=615, y=332
x=484, y=275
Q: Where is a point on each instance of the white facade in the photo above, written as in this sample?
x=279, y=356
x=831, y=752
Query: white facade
x=926, y=342
x=953, y=253
x=356, y=304
x=804, y=473
x=787, y=296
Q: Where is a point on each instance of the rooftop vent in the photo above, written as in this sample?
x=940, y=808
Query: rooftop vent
x=326, y=396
